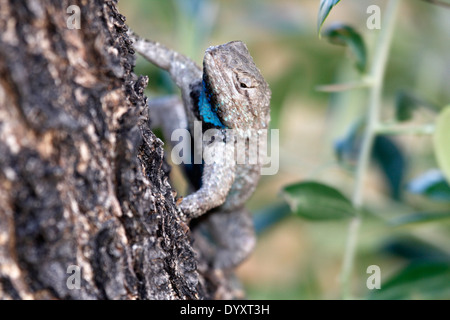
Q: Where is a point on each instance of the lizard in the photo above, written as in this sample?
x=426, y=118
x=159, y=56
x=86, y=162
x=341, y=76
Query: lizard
x=228, y=94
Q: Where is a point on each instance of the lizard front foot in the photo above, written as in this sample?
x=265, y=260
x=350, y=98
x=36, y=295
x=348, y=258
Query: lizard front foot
x=190, y=208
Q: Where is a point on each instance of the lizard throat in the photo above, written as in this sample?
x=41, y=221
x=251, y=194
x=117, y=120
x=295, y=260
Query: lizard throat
x=207, y=112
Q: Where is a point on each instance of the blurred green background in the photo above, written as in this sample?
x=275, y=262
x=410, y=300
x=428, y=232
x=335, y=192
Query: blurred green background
x=297, y=258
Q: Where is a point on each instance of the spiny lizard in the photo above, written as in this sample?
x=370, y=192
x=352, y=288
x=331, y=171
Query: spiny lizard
x=230, y=93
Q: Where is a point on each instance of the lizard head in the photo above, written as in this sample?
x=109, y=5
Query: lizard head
x=236, y=90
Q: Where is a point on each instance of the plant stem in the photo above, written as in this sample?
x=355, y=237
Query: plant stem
x=425, y=130
x=377, y=73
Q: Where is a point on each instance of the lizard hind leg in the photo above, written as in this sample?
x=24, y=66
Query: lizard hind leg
x=234, y=236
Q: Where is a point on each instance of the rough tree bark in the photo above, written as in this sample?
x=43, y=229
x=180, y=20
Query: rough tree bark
x=82, y=178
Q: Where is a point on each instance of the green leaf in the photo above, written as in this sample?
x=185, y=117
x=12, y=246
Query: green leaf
x=441, y=140
x=413, y=249
x=269, y=216
x=426, y=280
x=431, y=184
x=386, y=153
x=419, y=218
x=324, y=11
x=315, y=201
x=392, y=161
x=347, y=36
x=407, y=102
x=441, y=3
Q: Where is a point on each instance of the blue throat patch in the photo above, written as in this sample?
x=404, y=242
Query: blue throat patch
x=206, y=111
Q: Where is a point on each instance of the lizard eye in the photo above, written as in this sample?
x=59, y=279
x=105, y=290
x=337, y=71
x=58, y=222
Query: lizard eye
x=245, y=82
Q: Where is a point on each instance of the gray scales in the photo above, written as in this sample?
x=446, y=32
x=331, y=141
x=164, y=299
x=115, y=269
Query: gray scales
x=230, y=93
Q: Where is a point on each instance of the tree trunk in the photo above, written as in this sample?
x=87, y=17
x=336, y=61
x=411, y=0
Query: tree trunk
x=84, y=190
